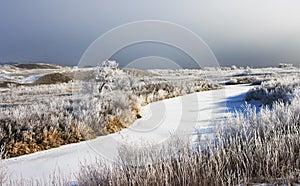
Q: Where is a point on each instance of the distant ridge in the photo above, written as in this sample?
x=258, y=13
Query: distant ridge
x=38, y=66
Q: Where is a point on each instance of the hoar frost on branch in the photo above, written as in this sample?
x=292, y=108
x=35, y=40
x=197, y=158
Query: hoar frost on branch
x=112, y=78
x=105, y=73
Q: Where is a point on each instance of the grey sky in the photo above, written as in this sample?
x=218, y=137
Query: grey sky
x=248, y=32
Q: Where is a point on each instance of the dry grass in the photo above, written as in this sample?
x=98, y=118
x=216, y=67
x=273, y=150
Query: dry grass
x=18, y=138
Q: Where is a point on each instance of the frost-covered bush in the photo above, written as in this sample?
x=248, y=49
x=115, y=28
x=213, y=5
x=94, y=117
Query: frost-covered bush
x=30, y=128
x=233, y=67
x=275, y=90
x=106, y=73
x=285, y=65
x=242, y=80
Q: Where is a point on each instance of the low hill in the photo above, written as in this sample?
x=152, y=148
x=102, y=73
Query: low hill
x=52, y=79
x=37, y=66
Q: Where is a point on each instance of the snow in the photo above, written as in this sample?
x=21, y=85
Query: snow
x=20, y=79
x=6, y=77
x=31, y=79
x=4, y=89
x=186, y=115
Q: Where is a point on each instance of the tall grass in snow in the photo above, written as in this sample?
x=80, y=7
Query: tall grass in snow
x=35, y=118
x=250, y=148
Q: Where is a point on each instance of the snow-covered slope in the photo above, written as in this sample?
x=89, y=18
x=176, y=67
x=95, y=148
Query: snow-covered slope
x=180, y=115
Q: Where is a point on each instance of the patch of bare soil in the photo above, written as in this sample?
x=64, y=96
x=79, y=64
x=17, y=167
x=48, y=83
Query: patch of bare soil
x=52, y=79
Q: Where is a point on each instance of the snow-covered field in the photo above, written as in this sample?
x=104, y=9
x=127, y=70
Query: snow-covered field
x=192, y=104
x=185, y=115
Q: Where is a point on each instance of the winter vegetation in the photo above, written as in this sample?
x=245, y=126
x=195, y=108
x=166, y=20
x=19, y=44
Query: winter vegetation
x=283, y=89
x=38, y=117
x=254, y=145
x=250, y=148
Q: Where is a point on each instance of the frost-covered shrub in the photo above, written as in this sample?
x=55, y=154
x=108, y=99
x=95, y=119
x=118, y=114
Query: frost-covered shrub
x=274, y=90
x=105, y=73
x=233, y=67
x=242, y=80
x=285, y=65
x=101, y=112
x=30, y=128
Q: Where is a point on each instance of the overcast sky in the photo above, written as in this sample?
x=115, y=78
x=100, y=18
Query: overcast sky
x=241, y=32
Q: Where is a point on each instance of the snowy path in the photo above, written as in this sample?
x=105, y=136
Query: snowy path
x=177, y=115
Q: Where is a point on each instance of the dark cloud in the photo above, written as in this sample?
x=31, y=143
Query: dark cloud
x=250, y=32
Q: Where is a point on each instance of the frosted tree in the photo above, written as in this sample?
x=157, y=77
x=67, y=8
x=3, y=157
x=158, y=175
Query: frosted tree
x=106, y=73
x=112, y=78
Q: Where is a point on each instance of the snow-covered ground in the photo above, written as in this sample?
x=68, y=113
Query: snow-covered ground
x=187, y=115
